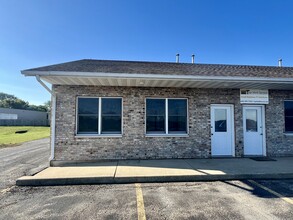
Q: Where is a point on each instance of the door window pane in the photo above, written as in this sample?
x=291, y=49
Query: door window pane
x=177, y=116
x=155, y=115
x=88, y=114
x=220, y=120
x=111, y=115
x=288, y=116
x=251, y=120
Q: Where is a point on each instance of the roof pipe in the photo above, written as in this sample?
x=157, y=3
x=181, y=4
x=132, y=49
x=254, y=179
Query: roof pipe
x=280, y=62
x=53, y=115
x=177, y=57
x=192, y=58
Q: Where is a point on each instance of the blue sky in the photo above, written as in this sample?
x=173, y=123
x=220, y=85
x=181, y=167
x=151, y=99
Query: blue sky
x=38, y=33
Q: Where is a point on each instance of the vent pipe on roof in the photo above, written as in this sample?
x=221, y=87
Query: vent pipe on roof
x=177, y=57
x=280, y=62
x=192, y=58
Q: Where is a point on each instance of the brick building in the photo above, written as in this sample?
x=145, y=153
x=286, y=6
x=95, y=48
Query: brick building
x=105, y=110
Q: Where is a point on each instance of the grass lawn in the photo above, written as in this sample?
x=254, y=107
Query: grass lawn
x=8, y=137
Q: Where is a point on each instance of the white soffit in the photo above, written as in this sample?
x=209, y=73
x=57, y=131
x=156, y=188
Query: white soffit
x=176, y=81
x=160, y=80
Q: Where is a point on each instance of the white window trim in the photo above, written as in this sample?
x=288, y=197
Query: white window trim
x=167, y=134
x=99, y=134
x=287, y=133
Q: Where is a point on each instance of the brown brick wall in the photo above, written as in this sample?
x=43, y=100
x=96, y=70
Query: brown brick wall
x=278, y=144
x=134, y=145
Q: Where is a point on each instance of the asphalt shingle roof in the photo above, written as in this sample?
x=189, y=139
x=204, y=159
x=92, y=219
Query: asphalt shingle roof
x=131, y=67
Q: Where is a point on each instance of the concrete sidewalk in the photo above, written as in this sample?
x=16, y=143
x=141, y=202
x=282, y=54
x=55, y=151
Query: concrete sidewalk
x=173, y=170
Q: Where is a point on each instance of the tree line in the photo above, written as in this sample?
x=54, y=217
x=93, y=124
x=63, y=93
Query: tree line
x=11, y=101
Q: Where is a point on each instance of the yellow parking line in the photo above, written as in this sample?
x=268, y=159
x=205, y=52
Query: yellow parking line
x=140, y=203
x=272, y=192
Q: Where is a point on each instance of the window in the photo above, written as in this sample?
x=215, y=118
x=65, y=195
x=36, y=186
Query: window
x=88, y=115
x=220, y=120
x=177, y=116
x=251, y=120
x=288, y=105
x=111, y=116
x=166, y=116
x=99, y=115
x=7, y=116
x=155, y=113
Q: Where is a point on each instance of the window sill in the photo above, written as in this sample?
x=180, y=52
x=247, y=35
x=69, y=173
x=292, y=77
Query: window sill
x=167, y=135
x=98, y=136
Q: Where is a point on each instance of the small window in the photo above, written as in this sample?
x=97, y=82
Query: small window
x=166, y=116
x=99, y=116
x=288, y=105
x=220, y=120
x=7, y=116
x=251, y=120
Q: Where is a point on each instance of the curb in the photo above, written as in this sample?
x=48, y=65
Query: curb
x=33, y=181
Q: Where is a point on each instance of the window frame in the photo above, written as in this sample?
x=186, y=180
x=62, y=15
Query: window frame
x=99, y=133
x=286, y=132
x=167, y=134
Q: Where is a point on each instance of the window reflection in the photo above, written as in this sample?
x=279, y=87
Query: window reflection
x=177, y=115
x=220, y=120
x=155, y=113
x=251, y=120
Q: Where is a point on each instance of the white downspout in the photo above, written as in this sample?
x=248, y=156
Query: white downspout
x=53, y=115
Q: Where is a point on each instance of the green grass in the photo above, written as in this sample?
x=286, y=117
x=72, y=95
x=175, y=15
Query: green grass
x=8, y=137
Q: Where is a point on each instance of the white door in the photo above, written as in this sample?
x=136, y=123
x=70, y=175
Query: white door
x=222, y=130
x=253, y=127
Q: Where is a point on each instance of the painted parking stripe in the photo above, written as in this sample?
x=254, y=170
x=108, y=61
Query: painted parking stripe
x=272, y=192
x=140, y=203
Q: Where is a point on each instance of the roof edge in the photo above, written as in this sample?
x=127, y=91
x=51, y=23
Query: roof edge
x=150, y=75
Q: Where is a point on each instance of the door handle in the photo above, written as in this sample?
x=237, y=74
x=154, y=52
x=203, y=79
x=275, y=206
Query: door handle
x=261, y=133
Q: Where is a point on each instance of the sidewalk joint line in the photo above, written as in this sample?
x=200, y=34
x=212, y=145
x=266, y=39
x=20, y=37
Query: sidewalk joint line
x=188, y=164
x=202, y=172
x=286, y=199
x=116, y=169
x=7, y=189
x=140, y=204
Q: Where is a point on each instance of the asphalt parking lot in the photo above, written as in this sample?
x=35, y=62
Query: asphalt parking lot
x=267, y=199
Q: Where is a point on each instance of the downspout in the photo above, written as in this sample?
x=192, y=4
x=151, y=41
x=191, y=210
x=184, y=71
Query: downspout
x=53, y=115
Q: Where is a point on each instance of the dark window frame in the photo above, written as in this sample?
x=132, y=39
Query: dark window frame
x=99, y=130
x=291, y=116
x=166, y=131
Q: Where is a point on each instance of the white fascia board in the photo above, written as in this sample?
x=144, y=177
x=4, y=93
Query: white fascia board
x=157, y=76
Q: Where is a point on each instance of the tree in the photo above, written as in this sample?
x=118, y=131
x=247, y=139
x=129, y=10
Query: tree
x=6, y=96
x=14, y=103
x=11, y=101
x=47, y=104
